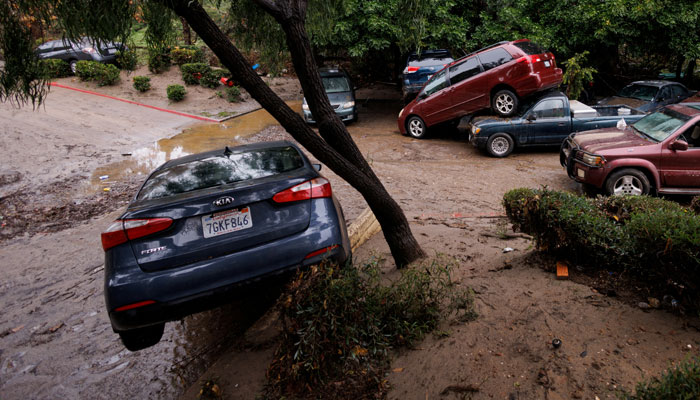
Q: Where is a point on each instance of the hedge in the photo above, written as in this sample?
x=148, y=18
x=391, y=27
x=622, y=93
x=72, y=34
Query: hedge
x=127, y=59
x=103, y=74
x=142, y=83
x=193, y=72
x=176, y=92
x=656, y=240
x=186, y=55
x=55, y=68
x=212, y=79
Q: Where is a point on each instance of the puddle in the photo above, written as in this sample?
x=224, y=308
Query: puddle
x=199, y=138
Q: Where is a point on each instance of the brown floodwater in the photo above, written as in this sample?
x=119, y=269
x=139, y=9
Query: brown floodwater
x=196, y=139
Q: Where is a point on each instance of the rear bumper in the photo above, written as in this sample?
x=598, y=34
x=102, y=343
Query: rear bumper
x=195, y=287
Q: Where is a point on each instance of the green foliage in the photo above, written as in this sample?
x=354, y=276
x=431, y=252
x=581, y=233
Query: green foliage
x=55, y=68
x=576, y=75
x=658, y=240
x=103, y=74
x=233, y=94
x=695, y=204
x=186, y=55
x=160, y=35
x=340, y=322
x=127, y=60
x=157, y=61
x=176, y=92
x=681, y=382
x=212, y=79
x=142, y=83
x=193, y=72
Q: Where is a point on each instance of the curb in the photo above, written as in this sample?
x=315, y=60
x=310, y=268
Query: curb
x=363, y=228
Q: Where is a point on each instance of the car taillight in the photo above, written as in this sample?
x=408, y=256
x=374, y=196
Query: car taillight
x=135, y=305
x=313, y=189
x=410, y=70
x=528, y=59
x=123, y=230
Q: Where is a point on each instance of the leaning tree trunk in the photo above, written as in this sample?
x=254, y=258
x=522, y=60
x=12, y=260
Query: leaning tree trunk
x=334, y=148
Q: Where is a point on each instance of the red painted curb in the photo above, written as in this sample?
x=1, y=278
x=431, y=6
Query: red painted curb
x=135, y=103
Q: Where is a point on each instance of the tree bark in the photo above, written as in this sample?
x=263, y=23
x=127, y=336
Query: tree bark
x=335, y=147
x=186, y=35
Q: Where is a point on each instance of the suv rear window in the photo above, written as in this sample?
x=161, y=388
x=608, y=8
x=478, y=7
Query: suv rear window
x=529, y=48
x=220, y=170
x=494, y=58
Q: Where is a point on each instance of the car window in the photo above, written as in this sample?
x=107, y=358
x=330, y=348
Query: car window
x=47, y=45
x=529, y=48
x=438, y=82
x=494, y=58
x=665, y=94
x=678, y=91
x=220, y=170
x=549, y=109
x=660, y=125
x=335, y=84
x=641, y=92
x=464, y=70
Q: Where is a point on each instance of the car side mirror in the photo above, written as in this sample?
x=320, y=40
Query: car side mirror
x=422, y=96
x=531, y=117
x=317, y=167
x=679, y=145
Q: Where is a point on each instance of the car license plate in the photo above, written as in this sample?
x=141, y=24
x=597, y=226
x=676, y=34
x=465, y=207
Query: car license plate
x=226, y=222
x=581, y=173
x=547, y=64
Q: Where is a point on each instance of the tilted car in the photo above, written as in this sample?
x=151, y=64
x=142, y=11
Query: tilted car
x=659, y=153
x=85, y=49
x=649, y=96
x=203, y=225
x=498, y=76
x=420, y=66
x=340, y=92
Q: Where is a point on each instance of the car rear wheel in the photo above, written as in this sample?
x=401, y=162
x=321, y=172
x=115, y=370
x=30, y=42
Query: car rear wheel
x=416, y=127
x=500, y=145
x=504, y=103
x=73, y=66
x=139, y=339
x=627, y=182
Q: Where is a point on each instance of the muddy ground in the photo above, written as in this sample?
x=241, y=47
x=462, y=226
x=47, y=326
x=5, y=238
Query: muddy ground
x=55, y=338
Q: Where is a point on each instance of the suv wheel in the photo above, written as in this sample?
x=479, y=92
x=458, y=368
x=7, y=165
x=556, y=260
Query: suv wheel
x=139, y=339
x=416, y=128
x=500, y=145
x=627, y=182
x=504, y=103
x=73, y=66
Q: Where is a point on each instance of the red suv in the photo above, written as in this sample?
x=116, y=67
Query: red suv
x=497, y=76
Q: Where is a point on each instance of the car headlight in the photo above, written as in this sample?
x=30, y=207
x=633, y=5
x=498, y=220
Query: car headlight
x=475, y=130
x=349, y=104
x=594, y=160
x=305, y=107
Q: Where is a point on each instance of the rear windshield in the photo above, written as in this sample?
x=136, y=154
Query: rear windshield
x=220, y=170
x=641, y=92
x=529, y=48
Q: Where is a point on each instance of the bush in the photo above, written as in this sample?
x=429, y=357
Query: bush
x=176, y=92
x=186, y=55
x=55, y=68
x=682, y=382
x=657, y=240
x=695, y=204
x=212, y=79
x=193, y=72
x=339, y=323
x=127, y=60
x=158, y=62
x=233, y=94
x=142, y=83
x=103, y=74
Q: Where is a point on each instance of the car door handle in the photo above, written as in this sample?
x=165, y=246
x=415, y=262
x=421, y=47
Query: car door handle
x=562, y=123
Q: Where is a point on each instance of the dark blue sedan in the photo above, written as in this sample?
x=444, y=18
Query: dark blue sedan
x=205, y=224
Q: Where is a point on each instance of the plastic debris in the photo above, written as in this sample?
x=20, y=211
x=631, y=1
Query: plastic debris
x=654, y=303
x=584, y=353
x=643, y=305
x=106, y=189
x=621, y=124
x=508, y=249
x=556, y=343
x=562, y=270
x=103, y=177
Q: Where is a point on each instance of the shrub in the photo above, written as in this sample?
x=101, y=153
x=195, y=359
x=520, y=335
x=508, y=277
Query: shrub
x=212, y=79
x=657, y=240
x=682, y=382
x=176, y=92
x=193, y=72
x=103, y=74
x=339, y=323
x=158, y=62
x=127, y=59
x=55, y=68
x=695, y=204
x=142, y=83
x=233, y=94
x=186, y=55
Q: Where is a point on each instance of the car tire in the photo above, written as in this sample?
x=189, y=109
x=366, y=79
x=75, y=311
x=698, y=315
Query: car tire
x=415, y=127
x=73, y=66
x=141, y=338
x=500, y=145
x=627, y=181
x=504, y=103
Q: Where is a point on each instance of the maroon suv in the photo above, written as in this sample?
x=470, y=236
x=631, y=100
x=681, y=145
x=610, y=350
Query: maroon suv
x=660, y=152
x=497, y=76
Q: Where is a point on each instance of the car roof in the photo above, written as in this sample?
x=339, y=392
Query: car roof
x=212, y=153
x=332, y=71
x=655, y=83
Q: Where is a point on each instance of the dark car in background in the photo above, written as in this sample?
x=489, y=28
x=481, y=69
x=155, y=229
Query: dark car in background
x=547, y=120
x=203, y=225
x=498, y=76
x=420, y=66
x=85, y=49
x=341, y=94
x=648, y=96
